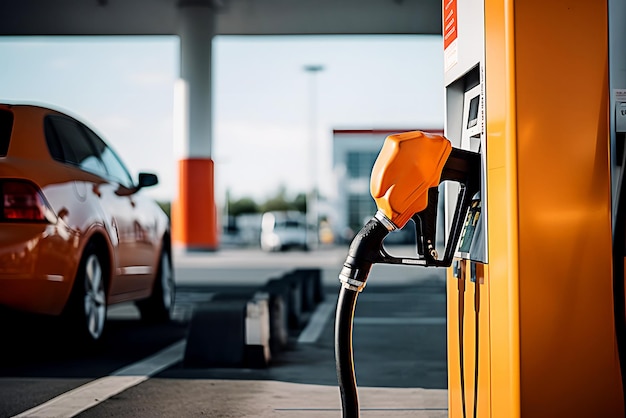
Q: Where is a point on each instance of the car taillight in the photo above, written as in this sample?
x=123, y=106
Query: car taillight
x=22, y=201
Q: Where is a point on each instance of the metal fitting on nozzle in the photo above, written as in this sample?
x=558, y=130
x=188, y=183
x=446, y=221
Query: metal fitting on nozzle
x=364, y=251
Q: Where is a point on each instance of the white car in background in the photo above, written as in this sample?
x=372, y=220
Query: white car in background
x=282, y=230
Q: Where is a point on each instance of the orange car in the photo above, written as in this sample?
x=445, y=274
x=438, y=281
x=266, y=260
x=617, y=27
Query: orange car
x=76, y=234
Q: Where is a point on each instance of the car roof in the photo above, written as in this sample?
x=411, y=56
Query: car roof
x=37, y=111
x=19, y=106
x=28, y=123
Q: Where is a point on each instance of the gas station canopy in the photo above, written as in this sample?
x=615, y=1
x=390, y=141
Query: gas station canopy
x=233, y=17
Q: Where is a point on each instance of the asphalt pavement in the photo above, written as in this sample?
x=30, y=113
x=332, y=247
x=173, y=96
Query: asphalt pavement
x=399, y=346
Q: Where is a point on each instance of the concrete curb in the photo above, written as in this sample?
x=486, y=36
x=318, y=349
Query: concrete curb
x=231, y=331
x=216, y=336
x=247, y=329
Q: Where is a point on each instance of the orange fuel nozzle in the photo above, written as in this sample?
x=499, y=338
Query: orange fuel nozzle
x=408, y=165
x=404, y=184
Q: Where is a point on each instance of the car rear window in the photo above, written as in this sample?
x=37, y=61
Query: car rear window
x=6, y=127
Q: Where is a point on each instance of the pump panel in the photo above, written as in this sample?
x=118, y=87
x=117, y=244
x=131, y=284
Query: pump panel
x=465, y=116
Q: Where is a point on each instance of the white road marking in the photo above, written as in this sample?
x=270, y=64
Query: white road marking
x=316, y=324
x=127, y=310
x=91, y=394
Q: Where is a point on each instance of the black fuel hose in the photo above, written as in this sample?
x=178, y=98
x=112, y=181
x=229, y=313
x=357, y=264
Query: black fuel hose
x=346, y=305
x=364, y=251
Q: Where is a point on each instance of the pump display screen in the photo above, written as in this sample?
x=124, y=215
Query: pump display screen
x=472, y=120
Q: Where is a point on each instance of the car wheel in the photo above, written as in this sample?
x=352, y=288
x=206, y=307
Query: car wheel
x=158, y=307
x=88, y=308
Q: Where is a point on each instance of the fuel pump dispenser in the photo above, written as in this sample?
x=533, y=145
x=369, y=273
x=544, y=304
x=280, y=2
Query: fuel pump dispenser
x=404, y=184
x=531, y=175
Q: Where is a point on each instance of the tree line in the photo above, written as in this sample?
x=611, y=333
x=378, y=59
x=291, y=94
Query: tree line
x=245, y=205
x=280, y=201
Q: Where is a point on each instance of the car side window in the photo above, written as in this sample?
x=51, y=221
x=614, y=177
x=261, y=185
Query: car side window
x=68, y=144
x=114, y=166
x=6, y=126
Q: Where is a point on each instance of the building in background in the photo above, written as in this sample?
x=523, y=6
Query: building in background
x=354, y=153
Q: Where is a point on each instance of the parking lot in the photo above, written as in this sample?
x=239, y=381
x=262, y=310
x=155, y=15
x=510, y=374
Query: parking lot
x=140, y=370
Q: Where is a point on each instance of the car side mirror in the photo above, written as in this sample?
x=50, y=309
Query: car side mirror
x=144, y=180
x=147, y=180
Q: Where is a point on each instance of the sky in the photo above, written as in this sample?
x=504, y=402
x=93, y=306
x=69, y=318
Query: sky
x=266, y=107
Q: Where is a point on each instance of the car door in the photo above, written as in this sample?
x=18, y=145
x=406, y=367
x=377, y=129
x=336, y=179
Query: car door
x=138, y=257
x=101, y=203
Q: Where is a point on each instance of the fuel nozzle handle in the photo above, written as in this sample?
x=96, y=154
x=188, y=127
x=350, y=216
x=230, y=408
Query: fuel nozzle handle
x=404, y=181
x=407, y=167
